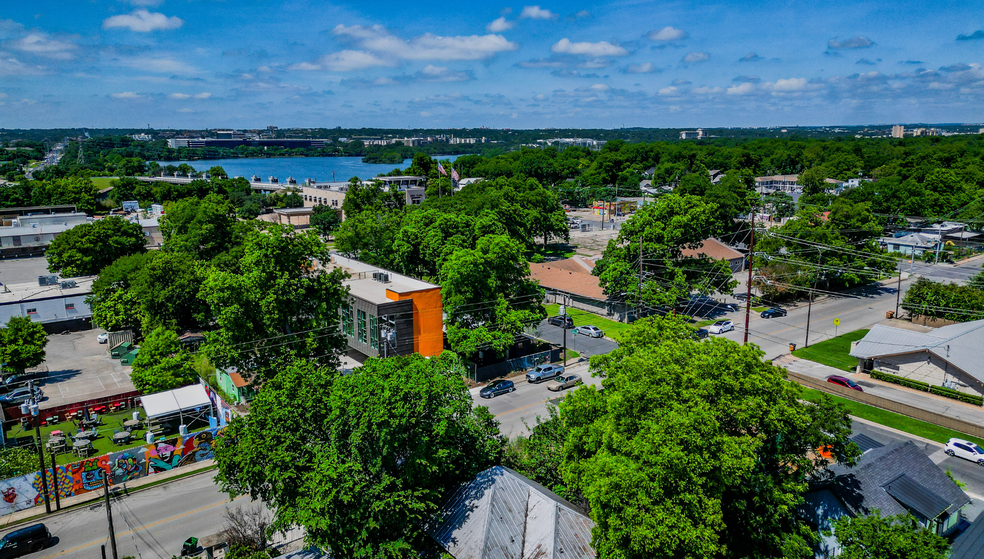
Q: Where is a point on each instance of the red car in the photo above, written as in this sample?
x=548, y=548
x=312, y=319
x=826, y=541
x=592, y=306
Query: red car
x=845, y=382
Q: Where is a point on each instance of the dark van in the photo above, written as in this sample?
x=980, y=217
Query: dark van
x=24, y=541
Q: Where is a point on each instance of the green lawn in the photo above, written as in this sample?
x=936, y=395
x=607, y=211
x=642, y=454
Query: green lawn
x=833, y=352
x=102, y=182
x=611, y=328
x=556, y=250
x=894, y=420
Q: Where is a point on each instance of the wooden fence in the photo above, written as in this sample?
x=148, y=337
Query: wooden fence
x=890, y=405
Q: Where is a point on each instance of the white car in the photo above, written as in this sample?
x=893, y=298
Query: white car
x=103, y=338
x=590, y=331
x=966, y=450
x=721, y=326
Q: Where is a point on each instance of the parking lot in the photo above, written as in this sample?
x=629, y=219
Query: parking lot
x=79, y=368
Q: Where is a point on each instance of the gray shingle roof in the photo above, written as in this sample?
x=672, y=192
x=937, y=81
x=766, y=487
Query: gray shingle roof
x=969, y=544
x=862, y=488
x=915, y=496
x=502, y=515
x=957, y=344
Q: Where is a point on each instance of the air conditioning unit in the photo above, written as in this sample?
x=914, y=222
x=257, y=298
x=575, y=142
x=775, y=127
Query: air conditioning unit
x=47, y=280
x=68, y=284
x=382, y=277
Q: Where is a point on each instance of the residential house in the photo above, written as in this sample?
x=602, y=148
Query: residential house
x=413, y=187
x=570, y=282
x=913, y=244
x=501, y=514
x=716, y=250
x=233, y=384
x=949, y=356
x=970, y=543
x=895, y=479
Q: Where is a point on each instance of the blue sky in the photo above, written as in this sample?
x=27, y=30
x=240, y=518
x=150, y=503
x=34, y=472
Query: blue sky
x=253, y=63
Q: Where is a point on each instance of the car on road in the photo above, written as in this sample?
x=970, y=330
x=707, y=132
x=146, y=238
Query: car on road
x=591, y=331
x=773, y=312
x=19, y=396
x=740, y=296
x=30, y=539
x=564, y=321
x=702, y=333
x=845, y=382
x=562, y=382
x=965, y=449
x=496, y=387
x=103, y=338
x=721, y=326
x=543, y=372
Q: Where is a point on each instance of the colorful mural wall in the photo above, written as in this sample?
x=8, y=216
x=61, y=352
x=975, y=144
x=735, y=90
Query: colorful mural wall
x=118, y=467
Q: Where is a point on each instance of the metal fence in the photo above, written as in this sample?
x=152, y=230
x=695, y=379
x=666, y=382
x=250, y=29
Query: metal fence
x=482, y=374
x=890, y=405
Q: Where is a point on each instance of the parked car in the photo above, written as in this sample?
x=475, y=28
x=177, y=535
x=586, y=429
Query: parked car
x=591, y=331
x=966, y=450
x=31, y=539
x=702, y=333
x=564, y=321
x=103, y=338
x=543, y=372
x=496, y=387
x=740, y=296
x=19, y=396
x=562, y=382
x=721, y=326
x=845, y=382
x=773, y=312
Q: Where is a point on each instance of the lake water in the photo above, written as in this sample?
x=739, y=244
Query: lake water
x=320, y=168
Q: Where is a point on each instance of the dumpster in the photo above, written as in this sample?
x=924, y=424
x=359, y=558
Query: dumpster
x=121, y=350
x=128, y=358
x=792, y=348
x=190, y=547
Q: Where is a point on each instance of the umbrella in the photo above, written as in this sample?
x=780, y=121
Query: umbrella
x=85, y=413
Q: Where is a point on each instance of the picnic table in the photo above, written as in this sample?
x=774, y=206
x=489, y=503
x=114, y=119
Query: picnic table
x=81, y=447
x=131, y=423
x=87, y=434
x=121, y=437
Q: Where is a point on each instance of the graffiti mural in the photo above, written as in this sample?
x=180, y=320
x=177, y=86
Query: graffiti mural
x=87, y=475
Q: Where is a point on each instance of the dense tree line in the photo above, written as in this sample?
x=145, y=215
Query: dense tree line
x=948, y=301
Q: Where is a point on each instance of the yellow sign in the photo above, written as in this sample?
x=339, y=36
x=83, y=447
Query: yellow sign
x=837, y=322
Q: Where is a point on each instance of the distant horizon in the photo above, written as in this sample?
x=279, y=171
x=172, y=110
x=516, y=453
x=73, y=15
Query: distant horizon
x=437, y=64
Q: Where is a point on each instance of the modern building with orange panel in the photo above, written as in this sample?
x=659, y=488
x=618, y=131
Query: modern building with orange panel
x=388, y=313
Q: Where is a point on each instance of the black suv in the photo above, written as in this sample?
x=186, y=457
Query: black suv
x=773, y=312
x=564, y=321
x=26, y=540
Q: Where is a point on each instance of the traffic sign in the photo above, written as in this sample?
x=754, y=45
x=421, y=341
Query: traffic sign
x=837, y=322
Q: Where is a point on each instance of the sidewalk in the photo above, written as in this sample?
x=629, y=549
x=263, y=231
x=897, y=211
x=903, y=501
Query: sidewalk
x=37, y=513
x=923, y=400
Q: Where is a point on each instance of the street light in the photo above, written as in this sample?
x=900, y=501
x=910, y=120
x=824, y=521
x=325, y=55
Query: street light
x=30, y=407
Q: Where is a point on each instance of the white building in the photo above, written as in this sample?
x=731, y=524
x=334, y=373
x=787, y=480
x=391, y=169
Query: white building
x=898, y=131
x=59, y=307
x=692, y=134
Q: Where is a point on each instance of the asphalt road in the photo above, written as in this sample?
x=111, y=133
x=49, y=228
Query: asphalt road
x=583, y=345
x=154, y=522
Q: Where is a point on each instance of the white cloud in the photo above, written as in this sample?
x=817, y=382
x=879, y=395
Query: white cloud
x=348, y=60
x=183, y=96
x=601, y=48
x=41, y=44
x=186, y=110
x=145, y=3
x=941, y=86
x=741, y=89
x=645, y=68
x=161, y=65
x=667, y=34
x=599, y=87
x=499, y=25
x=669, y=91
x=143, y=21
x=426, y=47
x=536, y=12
x=791, y=84
x=126, y=95
x=10, y=66
x=704, y=90
x=307, y=66
x=696, y=58
x=432, y=73
x=858, y=42
x=180, y=96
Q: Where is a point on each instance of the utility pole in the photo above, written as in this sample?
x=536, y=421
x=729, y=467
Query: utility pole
x=54, y=481
x=748, y=291
x=809, y=308
x=898, y=292
x=109, y=515
x=639, y=288
x=32, y=408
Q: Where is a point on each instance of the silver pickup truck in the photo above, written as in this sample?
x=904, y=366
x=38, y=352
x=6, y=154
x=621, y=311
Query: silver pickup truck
x=543, y=372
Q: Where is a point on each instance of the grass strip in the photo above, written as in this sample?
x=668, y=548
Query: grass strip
x=611, y=328
x=834, y=352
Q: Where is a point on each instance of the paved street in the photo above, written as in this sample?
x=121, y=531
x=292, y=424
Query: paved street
x=583, y=345
x=150, y=523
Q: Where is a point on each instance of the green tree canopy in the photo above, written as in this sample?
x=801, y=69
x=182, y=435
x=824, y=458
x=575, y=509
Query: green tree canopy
x=890, y=537
x=360, y=461
x=162, y=364
x=89, y=247
x=695, y=448
x=325, y=220
x=22, y=343
x=202, y=228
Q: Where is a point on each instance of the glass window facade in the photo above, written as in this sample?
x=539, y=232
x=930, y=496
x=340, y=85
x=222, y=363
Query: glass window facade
x=363, y=330
x=374, y=331
x=347, y=320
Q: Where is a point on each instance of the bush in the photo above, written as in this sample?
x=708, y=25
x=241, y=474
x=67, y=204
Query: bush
x=957, y=395
x=925, y=387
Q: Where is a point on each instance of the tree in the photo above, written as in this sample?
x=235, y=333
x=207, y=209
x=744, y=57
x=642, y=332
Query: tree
x=325, y=220
x=361, y=460
x=891, y=537
x=202, y=228
x=118, y=310
x=89, y=247
x=162, y=364
x=695, y=448
x=780, y=205
x=540, y=455
x=22, y=344
x=18, y=461
x=665, y=228
x=277, y=307
x=488, y=296
x=167, y=288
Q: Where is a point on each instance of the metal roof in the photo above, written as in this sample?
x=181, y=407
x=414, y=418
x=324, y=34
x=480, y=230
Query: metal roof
x=957, y=344
x=915, y=496
x=865, y=443
x=503, y=515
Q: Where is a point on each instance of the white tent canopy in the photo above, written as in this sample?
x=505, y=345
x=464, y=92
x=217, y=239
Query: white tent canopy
x=172, y=402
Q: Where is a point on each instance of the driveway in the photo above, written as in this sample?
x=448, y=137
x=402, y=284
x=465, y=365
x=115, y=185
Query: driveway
x=582, y=344
x=79, y=368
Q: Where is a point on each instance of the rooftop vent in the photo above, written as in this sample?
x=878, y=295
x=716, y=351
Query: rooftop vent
x=68, y=284
x=382, y=277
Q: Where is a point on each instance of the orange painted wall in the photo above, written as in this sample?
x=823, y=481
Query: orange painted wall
x=428, y=320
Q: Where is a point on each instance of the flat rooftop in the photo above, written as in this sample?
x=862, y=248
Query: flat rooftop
x=23, y=292
x=362, y=285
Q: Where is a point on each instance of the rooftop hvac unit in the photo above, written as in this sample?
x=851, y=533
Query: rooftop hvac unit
x=382, y=277
x=47, y=280
x=68, y=284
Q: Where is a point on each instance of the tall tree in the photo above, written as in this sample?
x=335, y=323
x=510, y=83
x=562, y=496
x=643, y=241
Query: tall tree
x=695, y=448
x=279, y=306
x=22, y=343
x=162, y=364
x=362, y=460
x=325, y=220
x=202, y=228
x=890, y=537
x=89, y=247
